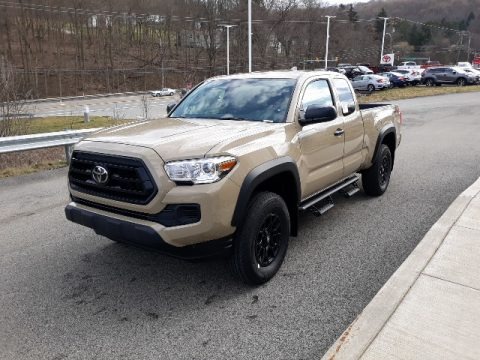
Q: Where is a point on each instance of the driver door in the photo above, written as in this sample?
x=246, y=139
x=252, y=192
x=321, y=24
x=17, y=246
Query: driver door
x=322, y=144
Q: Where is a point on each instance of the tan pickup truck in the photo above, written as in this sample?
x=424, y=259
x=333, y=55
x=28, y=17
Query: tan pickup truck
x=228, y=171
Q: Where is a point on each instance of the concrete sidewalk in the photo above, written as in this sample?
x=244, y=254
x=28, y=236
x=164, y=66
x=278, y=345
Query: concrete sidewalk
x=430, y=307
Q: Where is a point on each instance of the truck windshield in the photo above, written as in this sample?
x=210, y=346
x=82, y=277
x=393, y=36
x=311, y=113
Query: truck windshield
x=239, y=99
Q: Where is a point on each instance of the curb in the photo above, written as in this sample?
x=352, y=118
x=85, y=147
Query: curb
x=356, y=339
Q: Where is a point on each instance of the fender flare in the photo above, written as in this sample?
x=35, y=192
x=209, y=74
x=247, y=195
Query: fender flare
x=260, y=174
x=388, y=129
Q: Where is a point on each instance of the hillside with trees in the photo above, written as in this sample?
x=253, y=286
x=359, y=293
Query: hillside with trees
x=438, y=29
x=60, y=47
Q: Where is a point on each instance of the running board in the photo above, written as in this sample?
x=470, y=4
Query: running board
x=330, y=191
x=352, y=191
x=319, y=211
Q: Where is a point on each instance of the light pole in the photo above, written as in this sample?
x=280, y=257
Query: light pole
x=391, y=47
x=249, y=35
x=228, y=45
x=383, y=37
x=328, y=38
x=469, y=42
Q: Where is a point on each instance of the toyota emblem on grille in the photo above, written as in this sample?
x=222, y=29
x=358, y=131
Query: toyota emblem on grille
x=100, y=174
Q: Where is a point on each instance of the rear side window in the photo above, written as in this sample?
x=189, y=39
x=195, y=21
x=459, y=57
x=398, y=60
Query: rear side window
x=347, y=100
x=344, y=93
x=318, y=93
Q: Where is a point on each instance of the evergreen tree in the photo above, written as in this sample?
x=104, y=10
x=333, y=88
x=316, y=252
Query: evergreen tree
x=379, y=22
x=352, y=14
x=470, y=17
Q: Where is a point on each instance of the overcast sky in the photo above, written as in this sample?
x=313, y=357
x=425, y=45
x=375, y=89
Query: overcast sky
x=338, y=2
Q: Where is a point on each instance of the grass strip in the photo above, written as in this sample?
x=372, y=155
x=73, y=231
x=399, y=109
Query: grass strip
x=60, y=123
x=411, y=92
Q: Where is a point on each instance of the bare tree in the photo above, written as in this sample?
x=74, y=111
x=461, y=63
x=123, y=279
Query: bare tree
x=12, y=117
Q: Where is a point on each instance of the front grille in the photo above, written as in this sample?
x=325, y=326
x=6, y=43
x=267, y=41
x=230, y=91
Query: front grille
x=128, y=178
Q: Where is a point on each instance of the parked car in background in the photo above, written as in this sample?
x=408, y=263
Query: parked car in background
x=473, y=72
x=407, y=65
x=447, y=75
x=396, y=79
x=353, y=71
x=370, y=82
x=430, y=64
x=163, y=92
x=476, y=62
x=365, y=70
x=413, y=76
x=464, y=64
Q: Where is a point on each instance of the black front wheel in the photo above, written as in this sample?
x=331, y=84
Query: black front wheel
x=375, y=180
x=261, y=243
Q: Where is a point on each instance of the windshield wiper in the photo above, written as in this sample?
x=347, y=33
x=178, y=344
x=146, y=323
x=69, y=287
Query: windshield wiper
x=231, y=118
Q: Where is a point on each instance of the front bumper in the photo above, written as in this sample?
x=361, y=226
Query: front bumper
x=143, y=235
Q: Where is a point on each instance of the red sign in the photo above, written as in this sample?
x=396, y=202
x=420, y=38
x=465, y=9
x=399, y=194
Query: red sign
x=387, y=58
x=476, y=61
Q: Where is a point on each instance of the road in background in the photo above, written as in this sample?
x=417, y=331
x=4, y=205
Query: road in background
x=66, y=293
x=121, y=106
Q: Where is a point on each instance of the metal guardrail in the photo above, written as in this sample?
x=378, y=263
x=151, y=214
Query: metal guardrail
x=40, y=141
x=85, y=97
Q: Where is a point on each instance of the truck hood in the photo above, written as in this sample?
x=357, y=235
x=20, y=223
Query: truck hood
x=175, y=138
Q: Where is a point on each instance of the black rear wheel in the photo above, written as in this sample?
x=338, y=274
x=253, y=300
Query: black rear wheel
x=375, y=180
x=429, y=82
x=261, y=243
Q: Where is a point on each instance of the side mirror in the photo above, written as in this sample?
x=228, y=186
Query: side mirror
x=454, y=72
x=170, y=107
x=317, y=114
x=348, y=108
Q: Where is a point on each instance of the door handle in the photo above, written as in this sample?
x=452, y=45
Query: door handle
x=339, y=132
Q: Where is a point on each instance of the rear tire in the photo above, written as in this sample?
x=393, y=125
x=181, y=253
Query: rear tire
x=429, y=82
x=375, y=180
x=261, y=243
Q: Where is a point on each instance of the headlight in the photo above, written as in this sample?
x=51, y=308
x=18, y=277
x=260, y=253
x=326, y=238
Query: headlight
x=200, y=171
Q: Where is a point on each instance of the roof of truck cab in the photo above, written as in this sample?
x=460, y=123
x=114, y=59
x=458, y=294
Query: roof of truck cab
x=292, y=74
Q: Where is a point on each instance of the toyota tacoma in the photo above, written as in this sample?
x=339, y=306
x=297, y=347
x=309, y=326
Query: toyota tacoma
x=232, y=165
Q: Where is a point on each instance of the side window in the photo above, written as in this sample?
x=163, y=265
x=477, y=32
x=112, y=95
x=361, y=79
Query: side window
x=318, y=93
x=345, y=95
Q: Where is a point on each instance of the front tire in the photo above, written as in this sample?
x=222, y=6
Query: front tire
x=370, y=88
x=375, y=180
x=261, y=243
x=461, y=82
